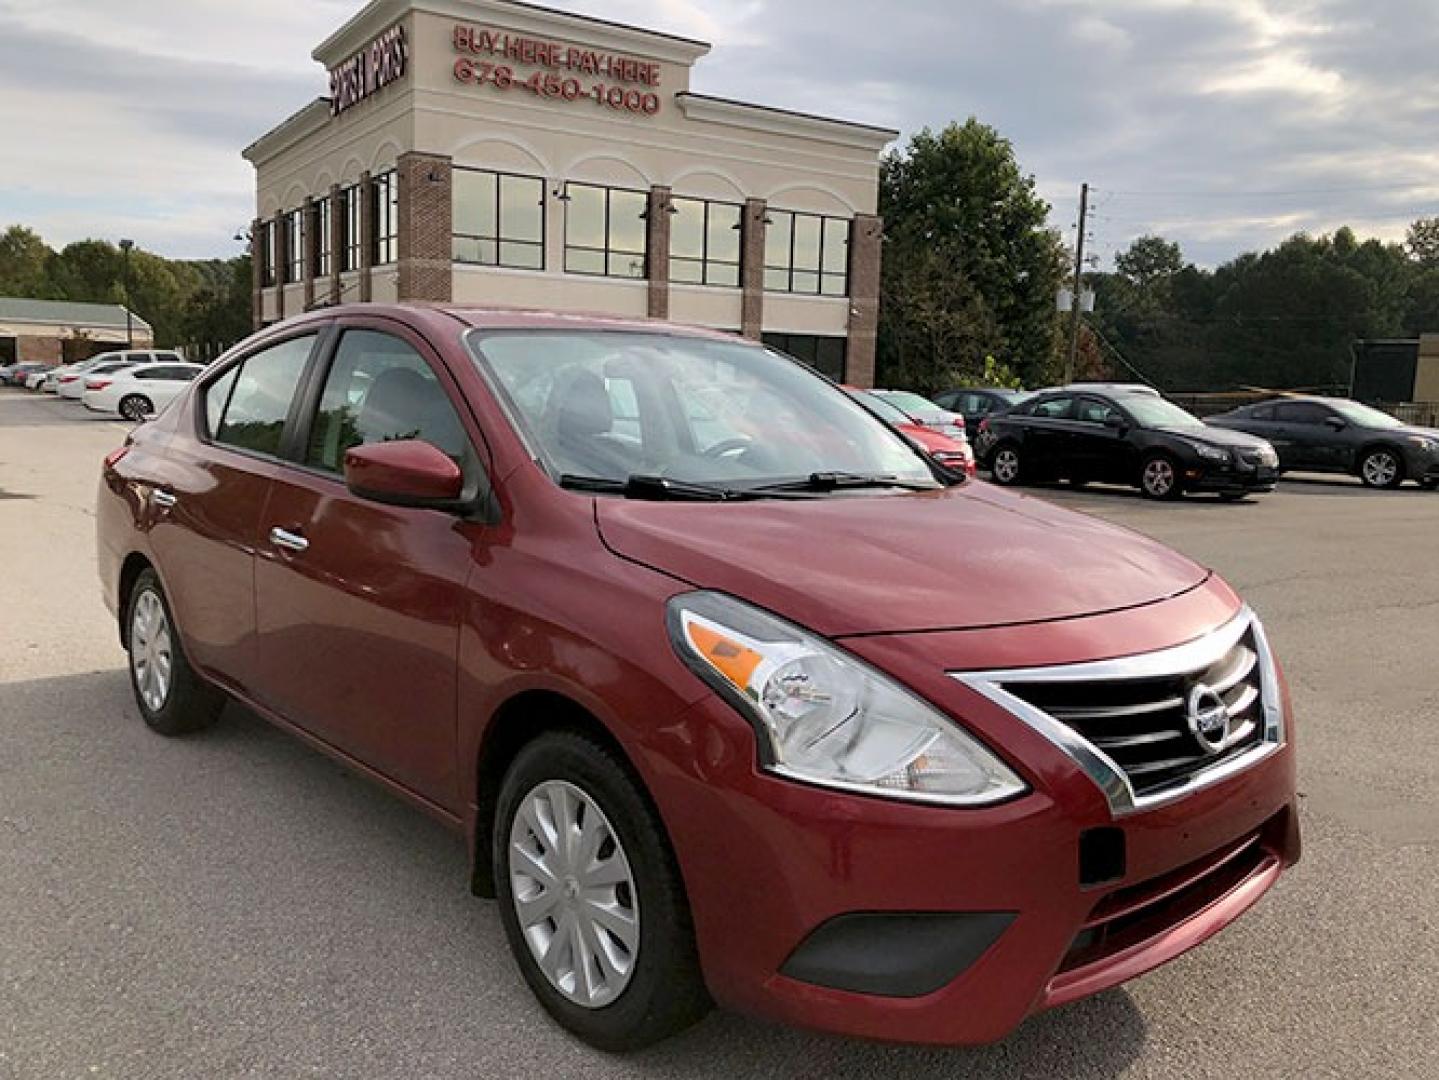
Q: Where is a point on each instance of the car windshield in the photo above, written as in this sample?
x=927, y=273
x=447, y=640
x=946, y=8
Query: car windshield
x=613, y=405
x=1154, y=412
x=1364, y=416
x=916, y=406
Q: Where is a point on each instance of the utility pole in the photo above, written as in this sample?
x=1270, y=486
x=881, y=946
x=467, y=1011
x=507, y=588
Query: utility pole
x=125, y=246
x=1074, y=311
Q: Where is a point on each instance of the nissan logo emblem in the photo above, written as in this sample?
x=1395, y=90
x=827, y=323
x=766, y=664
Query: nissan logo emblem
x=1208, y=718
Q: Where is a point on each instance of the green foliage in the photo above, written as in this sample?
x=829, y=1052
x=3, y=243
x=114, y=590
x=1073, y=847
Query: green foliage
x=970, y=265
x=202, y=304
x=1284, y=318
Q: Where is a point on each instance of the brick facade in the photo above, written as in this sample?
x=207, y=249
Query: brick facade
x=658, y=212
x=751, y=262
x=337, y=239
x=308, y=235
x=426, y=214
x=257, y=286
x=866, y=242
x=42, y=350
x=366, y=194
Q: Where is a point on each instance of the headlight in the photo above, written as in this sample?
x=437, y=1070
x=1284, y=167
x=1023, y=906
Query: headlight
x=1425, y=444
x=1211, y=453
x=824, y=717
x=1268, y=456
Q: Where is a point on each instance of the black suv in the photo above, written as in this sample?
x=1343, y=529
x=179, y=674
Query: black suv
x=1124, y=437
x=1314, y=434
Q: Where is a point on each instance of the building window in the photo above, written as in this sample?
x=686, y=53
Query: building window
x=267, y=253
x=349, y=209
x=605, y=231
x=704, y=242
x=294, y=226
x=806, y=253
x=320, y=245
x=499, y=219
x=385, y=193
x=824, y=354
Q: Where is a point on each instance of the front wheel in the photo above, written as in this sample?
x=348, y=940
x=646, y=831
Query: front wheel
x=591, y=898
x=1159, y=479
x=1381, y=469
x=173, y=699
x=1429, y=483
x=136, y=408
x=1006, y=466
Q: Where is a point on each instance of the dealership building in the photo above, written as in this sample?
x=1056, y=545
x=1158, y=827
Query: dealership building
x=489, y=152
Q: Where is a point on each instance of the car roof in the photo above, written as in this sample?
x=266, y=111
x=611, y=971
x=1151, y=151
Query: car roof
x=481, y=317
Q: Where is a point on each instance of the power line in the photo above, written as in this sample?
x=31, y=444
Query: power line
x=1196, y=193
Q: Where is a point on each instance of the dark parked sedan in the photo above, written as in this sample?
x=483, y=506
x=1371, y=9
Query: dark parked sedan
x=1125, y=437
x=976, y=403
x=1316, y=434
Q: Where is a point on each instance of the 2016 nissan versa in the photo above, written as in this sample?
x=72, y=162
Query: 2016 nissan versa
x=682, y=638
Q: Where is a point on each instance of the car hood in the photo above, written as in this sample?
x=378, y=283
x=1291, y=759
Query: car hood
x=955, y=559
x=1221, y=436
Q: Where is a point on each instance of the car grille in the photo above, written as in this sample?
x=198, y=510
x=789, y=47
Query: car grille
x=1151, y=726
x=1143, y=724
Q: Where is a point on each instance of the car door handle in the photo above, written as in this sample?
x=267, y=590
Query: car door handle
x=283, y=538
x=165, y=500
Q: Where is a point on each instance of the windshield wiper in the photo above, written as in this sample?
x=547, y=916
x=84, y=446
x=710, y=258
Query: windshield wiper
x=837, y=481
x=654, y=488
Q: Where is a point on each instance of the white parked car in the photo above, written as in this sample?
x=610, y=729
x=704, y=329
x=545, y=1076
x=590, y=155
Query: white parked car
x=67, y=375
x=73, y=387
x=37, y=379
x=138, y=392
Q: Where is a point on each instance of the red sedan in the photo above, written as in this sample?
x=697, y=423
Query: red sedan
x=723, y=718
x=948, y=446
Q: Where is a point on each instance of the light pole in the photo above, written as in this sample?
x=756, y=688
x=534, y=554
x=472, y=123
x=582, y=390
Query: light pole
x=125, y=246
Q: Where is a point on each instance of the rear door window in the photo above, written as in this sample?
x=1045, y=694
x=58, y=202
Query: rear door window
x=1053, y=409
x=259, y=401
x=1302, y=412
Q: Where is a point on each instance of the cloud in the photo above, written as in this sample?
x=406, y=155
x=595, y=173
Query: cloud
x=1226, y=124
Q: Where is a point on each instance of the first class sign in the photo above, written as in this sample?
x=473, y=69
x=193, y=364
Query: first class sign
x=369, y=71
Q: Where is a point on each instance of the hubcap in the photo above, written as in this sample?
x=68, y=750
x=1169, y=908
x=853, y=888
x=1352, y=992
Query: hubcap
x=151, y=655
x=574, y=894
x=1006, y=466
x=134, y=410
x=1380, y=469
x=1159, y=477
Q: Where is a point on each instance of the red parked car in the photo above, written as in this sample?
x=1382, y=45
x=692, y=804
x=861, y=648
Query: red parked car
x=724, y=717
x=949, y=447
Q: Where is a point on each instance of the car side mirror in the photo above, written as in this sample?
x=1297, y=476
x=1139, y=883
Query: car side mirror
x=409, y=472
x=1335, y=422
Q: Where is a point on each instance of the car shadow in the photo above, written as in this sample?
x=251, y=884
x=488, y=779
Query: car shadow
x=243, y=858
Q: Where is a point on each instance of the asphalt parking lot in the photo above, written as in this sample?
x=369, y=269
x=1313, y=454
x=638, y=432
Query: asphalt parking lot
x=235, y=905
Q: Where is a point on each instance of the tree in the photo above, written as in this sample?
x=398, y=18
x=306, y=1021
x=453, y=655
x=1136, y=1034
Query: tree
x=1149, y=261
x=971, y=267
x=1422, y=241
x=25, y=264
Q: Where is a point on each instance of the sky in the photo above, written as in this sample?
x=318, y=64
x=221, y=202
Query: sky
x=1223, y=124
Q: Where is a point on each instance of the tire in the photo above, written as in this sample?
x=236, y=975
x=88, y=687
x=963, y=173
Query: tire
x=135, y=408
x=1381, y=468
x=1429, y=483
x=648, y=991
x=1006, y=466
x=172, y=699
x=1159, y=478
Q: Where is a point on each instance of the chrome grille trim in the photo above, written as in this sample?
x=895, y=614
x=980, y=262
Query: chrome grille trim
x=1195, y=656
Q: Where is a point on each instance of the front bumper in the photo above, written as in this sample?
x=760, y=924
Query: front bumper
x=1210, y=476
x=777, y=873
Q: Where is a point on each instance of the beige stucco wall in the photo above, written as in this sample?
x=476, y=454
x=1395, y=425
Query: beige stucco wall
x=1426, y=380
